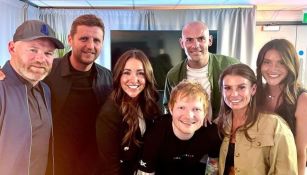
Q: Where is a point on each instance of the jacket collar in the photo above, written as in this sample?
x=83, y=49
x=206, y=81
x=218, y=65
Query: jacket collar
x=10, y=73
x=13, y=76
x=183, y=74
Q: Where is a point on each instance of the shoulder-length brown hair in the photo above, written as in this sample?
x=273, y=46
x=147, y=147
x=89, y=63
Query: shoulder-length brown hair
x=146, y=101
x=289, y=93
x=252, y=111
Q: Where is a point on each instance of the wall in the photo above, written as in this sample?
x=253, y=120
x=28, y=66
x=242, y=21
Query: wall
x=278, y=15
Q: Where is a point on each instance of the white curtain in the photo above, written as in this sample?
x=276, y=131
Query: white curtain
x=235, y=26
x=11, y=16
x=32, y=13
x=61, y=20
x=13, y=13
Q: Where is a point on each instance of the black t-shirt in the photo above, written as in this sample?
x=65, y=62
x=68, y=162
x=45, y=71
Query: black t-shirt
x=75, y=147
x=164, y=153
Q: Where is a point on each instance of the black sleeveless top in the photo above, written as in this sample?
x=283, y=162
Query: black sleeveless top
x=229, y=158
x=287, y=111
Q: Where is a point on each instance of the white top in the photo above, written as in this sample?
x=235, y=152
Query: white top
x=201, y=76
x=142, y=123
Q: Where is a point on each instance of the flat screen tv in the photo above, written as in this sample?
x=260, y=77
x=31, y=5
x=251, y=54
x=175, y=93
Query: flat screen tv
x=162, y=48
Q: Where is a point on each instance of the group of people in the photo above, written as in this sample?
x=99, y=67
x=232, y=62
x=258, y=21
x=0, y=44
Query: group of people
x=71, y=116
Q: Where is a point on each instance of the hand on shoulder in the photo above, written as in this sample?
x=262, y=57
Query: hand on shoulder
x=2, y=75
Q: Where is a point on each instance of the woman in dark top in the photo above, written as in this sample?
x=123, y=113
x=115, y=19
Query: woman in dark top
x=278, y=64
x=179, y=144
x=127, y=114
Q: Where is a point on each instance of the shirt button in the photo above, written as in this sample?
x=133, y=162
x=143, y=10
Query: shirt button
x=238, y=155
x=258, y=143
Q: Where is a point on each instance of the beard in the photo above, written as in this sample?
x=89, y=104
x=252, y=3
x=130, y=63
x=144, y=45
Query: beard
x=86, y=58
x=34, y=75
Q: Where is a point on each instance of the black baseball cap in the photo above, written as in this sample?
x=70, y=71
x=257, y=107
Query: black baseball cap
x=34, y=29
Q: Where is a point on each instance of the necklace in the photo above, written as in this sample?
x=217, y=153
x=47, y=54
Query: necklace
x=271, y=97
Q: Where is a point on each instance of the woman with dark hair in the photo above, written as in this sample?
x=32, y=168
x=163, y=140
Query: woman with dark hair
x=254, y=143
x=127, y=114
x=278, y=64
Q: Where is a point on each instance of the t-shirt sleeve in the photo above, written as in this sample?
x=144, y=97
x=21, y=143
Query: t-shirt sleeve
x=108, y=138
x=152, y=144
x=215, y=141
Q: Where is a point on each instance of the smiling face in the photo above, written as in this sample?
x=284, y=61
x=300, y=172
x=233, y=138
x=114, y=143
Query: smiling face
x=188, y=116
x=32, y=59
x=86, y=45
x=273, y=69
x=196, y=41
x=133, y=79
x=237, y=92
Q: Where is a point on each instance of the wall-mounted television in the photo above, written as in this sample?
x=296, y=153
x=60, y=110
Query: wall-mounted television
x=162, y=48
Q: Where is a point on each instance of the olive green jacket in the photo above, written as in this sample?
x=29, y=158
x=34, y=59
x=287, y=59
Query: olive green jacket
x=217, y=63
x=271, y=152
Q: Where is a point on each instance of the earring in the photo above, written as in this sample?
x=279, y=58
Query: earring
x=250, y=101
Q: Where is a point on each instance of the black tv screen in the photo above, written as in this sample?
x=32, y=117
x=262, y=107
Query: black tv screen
x=162, y=48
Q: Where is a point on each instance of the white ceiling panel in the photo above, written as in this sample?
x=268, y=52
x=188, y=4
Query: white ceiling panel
x=127, y=3
x=57, y=3
x=172, y=4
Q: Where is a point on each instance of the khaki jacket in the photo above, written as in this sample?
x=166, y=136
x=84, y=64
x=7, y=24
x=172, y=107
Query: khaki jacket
x=272, y=152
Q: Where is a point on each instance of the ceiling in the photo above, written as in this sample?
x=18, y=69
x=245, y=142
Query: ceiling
x=172, y=4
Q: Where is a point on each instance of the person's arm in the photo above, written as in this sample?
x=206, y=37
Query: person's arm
x=108, y=138
x=301, y=132
x=1, y=117
x=154, y=139
x=283, y=157
x=166, y=95
x=213, y=155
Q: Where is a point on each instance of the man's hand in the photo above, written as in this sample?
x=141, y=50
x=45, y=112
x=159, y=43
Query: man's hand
x=208, y=117
x=208, y=120
x=2, y=75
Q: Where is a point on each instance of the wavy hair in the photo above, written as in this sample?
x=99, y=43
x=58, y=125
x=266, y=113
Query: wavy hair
x=252, y=111
x=290, y=84
x=146, y=101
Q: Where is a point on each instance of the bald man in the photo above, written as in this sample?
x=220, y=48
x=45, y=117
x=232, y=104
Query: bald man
x=200, y=64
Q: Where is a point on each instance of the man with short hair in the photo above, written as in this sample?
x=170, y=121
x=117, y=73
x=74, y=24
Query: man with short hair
x=25, y=103
x=200, y=65
x=79, y=87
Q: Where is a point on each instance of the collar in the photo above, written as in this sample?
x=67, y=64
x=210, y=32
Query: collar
x=65, y=65
x=10, y=72
x=28, y=84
